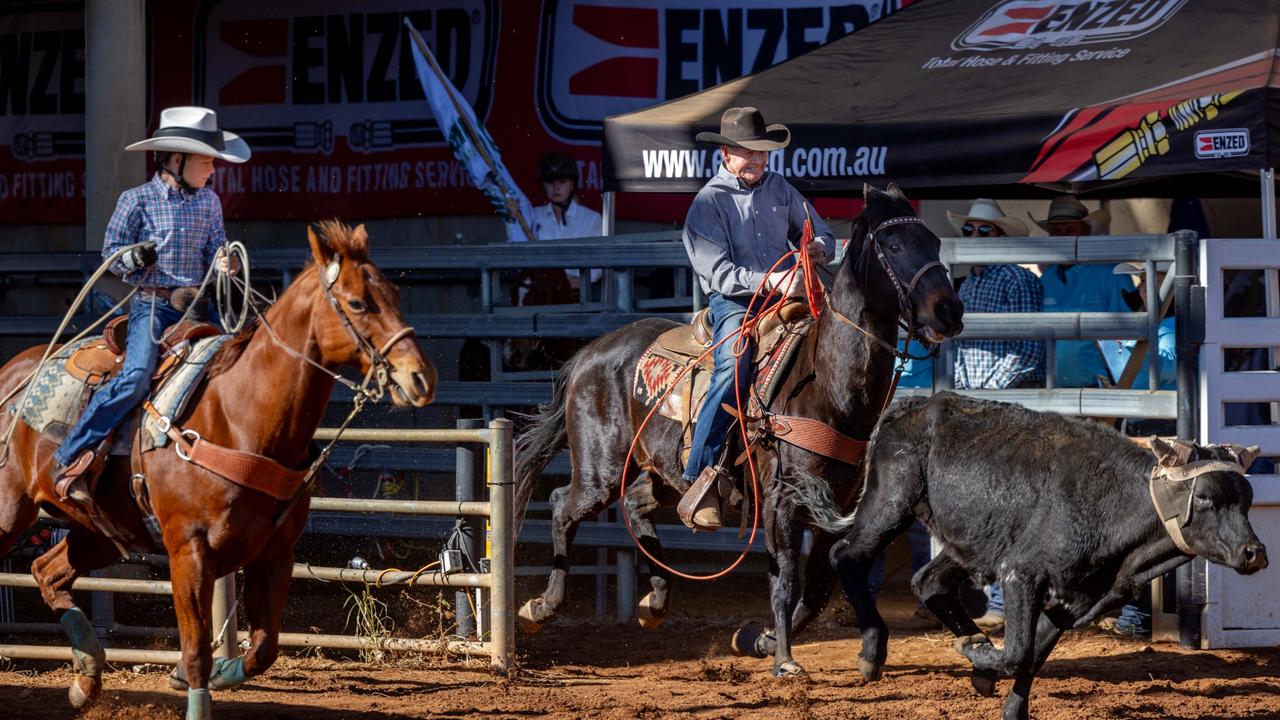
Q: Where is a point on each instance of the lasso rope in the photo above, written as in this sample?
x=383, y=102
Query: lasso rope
x=741, y=347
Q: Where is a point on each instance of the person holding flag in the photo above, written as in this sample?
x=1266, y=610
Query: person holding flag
x=563, y=217
x=738, y=227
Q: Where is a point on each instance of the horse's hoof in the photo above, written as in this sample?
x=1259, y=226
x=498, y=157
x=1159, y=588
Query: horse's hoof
x=649, y=620
x=871, y=671
x=790, y=668
x=745, y=641
x=84, y=691
x=527, y=617
x=983, y=682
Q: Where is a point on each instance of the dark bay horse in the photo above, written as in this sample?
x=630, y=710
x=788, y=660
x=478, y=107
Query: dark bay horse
x=841, y=376
x=266, y=393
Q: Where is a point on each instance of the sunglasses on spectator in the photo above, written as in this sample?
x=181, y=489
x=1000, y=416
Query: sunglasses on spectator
x=969, y=229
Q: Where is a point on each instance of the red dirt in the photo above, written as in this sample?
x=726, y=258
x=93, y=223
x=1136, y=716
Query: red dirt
x=577, y=669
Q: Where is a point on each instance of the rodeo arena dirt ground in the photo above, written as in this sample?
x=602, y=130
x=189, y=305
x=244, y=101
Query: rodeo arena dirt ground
x=582, y=668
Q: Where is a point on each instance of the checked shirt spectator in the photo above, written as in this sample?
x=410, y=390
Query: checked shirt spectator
x=997, y=364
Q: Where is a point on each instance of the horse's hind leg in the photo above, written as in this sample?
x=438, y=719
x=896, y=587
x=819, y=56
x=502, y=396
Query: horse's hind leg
x=570, y=505
x=55, y=571
x=638, y=504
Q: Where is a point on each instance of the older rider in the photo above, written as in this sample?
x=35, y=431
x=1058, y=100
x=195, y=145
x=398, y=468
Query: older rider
x=738, y=227
x=179, y=218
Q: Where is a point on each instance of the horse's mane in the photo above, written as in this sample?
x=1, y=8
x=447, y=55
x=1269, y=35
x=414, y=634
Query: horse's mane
x=335, y=235
x=231, y=350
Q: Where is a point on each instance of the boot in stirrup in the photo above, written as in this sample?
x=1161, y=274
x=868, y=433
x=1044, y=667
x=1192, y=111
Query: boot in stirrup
x=699, y=508
x=72, y=481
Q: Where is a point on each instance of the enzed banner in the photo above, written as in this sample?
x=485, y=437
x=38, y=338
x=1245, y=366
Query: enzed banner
x=42, y=114
x=325, y=93
x=952, y=93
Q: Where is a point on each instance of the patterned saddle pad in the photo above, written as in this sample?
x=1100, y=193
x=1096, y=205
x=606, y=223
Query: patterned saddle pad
x=57, y=396
x=668, y=356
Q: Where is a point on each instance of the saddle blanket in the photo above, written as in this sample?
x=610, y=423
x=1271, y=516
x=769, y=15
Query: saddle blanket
x=53, y=403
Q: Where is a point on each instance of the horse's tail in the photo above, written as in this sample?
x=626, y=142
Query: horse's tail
x=545, y=436
x=813, y=495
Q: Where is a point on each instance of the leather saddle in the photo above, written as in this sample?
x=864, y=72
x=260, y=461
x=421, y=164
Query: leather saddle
x=659, y=379
x=97, y=362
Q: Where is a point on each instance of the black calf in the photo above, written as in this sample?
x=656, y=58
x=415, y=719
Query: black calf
x=1057, y=509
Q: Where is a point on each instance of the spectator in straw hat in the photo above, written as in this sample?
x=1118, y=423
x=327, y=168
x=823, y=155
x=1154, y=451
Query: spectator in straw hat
x=997, y=364
x=1080, y=288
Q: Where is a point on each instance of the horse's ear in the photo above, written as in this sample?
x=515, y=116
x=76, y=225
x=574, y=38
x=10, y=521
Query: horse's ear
x=895, y=191
x=320, y=248
x=867, y=190
x=360, y=241
x=1170, y=453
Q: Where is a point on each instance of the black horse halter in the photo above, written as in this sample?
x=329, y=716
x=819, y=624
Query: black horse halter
x=906, y=314
x=379, y=365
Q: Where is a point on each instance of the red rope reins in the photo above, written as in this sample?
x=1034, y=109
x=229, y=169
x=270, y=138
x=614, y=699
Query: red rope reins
x=741, y=345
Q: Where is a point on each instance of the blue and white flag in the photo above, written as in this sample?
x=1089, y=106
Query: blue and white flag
x=458, y=123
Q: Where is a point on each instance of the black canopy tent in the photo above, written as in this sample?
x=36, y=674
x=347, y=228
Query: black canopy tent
x=1034, y=96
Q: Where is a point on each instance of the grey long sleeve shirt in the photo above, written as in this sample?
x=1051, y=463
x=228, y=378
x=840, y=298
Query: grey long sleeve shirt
x=735, y=233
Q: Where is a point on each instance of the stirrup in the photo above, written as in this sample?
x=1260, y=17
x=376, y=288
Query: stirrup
x=699, y=508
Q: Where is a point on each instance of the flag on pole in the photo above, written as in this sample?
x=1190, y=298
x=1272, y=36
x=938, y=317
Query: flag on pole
x=471, y=143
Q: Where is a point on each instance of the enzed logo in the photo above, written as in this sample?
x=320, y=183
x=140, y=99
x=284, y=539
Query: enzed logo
x=1211, y=144
x=1029, y=24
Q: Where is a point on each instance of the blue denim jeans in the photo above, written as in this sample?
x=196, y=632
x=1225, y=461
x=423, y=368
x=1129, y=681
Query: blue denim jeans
x=113, y=402
x=995, y=600
x=1136, y=616
x=727, y=315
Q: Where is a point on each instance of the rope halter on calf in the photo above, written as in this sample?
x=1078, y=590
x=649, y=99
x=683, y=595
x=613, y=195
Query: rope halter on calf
x=1173, y=483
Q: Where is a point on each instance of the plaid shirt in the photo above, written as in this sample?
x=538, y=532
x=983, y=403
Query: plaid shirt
x=995, y=364
x=187, y=231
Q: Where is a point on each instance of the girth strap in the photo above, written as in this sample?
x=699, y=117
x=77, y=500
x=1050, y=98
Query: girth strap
x=816, y=437
x=250, y=470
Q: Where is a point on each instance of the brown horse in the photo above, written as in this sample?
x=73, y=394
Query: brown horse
x=841, y=376
x=266, y=393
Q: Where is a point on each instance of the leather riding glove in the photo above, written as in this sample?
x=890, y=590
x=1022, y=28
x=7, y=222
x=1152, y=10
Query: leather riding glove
x=142, y=256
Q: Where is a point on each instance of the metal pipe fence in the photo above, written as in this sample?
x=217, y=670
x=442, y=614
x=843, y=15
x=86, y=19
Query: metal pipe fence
x=498, y=581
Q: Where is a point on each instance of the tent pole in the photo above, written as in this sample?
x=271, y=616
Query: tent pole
x=610, y=212
x=1267, y=176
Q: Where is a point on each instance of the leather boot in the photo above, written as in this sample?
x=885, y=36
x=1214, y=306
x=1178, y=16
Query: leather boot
x=699, y=508
x=72, y=481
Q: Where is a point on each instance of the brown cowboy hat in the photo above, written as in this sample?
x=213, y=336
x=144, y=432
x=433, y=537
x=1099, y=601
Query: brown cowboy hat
x=745, y=127
x=1066, y=208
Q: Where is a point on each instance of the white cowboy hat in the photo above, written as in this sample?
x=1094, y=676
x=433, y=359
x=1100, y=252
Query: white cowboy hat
x=985, y=210
x=195, y=130
x=1066, y=208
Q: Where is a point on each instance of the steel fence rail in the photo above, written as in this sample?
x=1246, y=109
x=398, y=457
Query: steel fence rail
x=499, y=580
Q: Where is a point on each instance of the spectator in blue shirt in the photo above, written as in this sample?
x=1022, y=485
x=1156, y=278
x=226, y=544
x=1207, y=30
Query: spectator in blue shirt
x=1080, y=288
x=174, y=220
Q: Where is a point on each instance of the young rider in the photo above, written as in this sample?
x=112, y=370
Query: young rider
x=177, y=219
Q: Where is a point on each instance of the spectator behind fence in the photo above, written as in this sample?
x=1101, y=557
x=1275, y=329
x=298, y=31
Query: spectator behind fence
x=1080, y=288
x=997, y=364
x=563, y=217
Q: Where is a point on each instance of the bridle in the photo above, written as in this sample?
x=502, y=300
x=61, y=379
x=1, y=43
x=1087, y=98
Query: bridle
x=379, y=366
x=906, y=309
